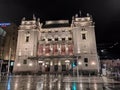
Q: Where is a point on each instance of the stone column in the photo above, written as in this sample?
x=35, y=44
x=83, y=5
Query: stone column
x=51, y=66
x=66, y=49
x=59, y=66
x=59, y=49
x=43, y=49
x=51, y=49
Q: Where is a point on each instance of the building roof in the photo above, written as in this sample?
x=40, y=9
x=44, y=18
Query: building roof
x=56, y=23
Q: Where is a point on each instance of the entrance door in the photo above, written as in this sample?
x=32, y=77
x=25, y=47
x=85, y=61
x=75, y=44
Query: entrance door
x=63, y=67
x=56, y=67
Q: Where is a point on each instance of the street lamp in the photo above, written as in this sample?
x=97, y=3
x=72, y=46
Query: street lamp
x=77, y=67
x=67, y=64
x=8, y=71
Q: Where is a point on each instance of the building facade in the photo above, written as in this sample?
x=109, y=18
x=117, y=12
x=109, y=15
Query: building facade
x=10, y=42
x=8, y=46
x=2, y=36
x=56, y=46
x=110, y=66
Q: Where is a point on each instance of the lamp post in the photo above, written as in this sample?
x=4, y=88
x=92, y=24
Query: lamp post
x=1, y=67
x=8, y=71
x=77, y=67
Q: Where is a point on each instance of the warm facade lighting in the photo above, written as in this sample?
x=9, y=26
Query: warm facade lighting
x=40, y=61
x=67, y=61
x=59, y=63
x=93, y=63
x=30, y=64
x=18, y=64
x=80, y=63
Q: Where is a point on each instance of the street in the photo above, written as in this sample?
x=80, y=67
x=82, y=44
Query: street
x=56, y=82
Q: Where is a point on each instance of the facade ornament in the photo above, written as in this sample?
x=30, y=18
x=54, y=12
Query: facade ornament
x=76, y=15
x=80, y=13
x=34, y=18
x=88, y=15
x=23, y=19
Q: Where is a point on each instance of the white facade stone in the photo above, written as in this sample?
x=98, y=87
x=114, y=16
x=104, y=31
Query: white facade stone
x=56, y=44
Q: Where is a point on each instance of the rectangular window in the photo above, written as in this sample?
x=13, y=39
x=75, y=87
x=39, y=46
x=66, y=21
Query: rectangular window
x=43, y=40
x=24, y=61
x=69, y=38
x=86, y=60
x=49, y=31
x=84, y=36
x=49, y=39
x=63, y=39
x=56, y=39
x=27, y=38
x=86, y=65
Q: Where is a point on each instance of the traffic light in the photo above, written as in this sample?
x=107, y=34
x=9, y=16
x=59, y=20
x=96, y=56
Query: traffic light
x=74, y=63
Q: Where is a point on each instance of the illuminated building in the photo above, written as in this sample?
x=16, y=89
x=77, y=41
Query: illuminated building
x=10, y=40
x=2, y=36
x=56, y=46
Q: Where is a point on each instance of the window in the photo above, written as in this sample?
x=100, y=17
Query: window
x=28, y=32
x=63, y=39
x=86, y=60
x=43, y=32
x=43, y=39
x=69, y=38
x=24, y=61
x=56, y=39
x=86, y=65
x=49, y=31
x=83, y=36
x=49, y=39
x=56, y=31
x=27, y=38
x=83, y=29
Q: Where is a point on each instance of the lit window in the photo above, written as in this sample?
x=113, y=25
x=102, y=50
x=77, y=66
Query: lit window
x=83, y=36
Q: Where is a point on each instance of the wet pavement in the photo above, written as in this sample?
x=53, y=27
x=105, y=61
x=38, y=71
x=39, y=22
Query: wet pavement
x=55, y=82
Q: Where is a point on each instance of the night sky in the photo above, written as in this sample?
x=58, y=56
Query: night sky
x=106, y=14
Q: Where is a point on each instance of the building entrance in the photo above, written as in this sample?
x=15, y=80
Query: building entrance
x=56, y=67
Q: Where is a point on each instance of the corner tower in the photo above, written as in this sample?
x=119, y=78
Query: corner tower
x=28, y=34
x=85, y=44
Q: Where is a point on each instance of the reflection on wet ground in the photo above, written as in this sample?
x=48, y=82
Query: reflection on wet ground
x=51, y=82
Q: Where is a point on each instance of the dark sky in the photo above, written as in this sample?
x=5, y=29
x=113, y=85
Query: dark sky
x=106, y=13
